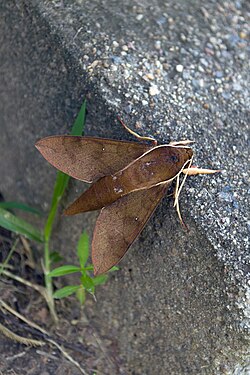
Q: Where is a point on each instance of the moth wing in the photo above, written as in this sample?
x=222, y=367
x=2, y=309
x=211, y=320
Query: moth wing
x=87, y=158
x=119, y=224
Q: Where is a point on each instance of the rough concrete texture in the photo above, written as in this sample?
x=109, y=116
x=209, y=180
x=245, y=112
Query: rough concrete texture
x=175, y=70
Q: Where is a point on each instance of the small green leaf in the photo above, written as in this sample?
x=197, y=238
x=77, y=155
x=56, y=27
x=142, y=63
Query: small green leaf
x=66, y=291
x=88, y=283
x=19, y=206
x=83, y=249
x=55, y=257
x=89, y=268
x=114, y=268
x=81, y=295
x=18, y=225
x=64, y=270
x=100, y=279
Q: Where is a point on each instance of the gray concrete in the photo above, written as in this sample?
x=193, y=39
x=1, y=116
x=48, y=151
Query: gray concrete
x=173, y=69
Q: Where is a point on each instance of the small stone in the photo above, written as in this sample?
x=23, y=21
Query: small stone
x=115, y=44
x=105, y=64
x=94, y=64
x=148, y=76
x=179, y=68
x=126, y=74
x=115, y=59
x=183, y=37
x=125, y=48
x=243, y=35
x=153, y=90
x=139, y=17
x=225, y=220
x=204, y=62
x=206, y=106
x=213, y=40
x=218, y=74
x=226, y=95
x=218, y=123
x=198, y=83
x=165, y=66
x=113, y=68
x=242, y=56
x=128, y=108
x=186, y=75
x=144, y=103
x=161, y=20
x=157, y=44
x=237, y=87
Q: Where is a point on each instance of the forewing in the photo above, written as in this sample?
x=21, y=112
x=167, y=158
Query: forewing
x=119, y=224
x=87, y=158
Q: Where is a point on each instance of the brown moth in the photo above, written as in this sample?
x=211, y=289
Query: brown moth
x=128, y=179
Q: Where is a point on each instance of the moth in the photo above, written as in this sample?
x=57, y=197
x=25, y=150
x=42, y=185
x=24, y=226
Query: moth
x=129, y=179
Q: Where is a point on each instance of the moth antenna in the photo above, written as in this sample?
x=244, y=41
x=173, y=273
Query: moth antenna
x=141, y=138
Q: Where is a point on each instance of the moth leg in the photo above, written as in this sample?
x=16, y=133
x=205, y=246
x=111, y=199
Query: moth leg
x=176, y=200
x=141, y=138
x=192, y=170
x=177, y=191
x=189, y=171
x=181, y=143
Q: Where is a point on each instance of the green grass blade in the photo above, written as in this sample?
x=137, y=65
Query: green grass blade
x=83, y=249
x=18, y=225
x=64, y=270
x=62, y=179
x=6, y=261
x=20, y=206
x=78, y=126
x=66, y=291
x=59, y=188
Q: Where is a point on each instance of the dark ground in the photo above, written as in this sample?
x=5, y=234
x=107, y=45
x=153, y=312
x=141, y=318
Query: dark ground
x=95, y=352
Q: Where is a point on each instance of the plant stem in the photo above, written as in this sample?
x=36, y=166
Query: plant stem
x=61, y=184
x=48, y=282
x=47, y=233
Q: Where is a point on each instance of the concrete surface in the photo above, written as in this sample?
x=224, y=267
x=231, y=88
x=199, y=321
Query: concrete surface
x=175, y=70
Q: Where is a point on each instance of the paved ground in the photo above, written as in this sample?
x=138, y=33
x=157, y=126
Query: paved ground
x=174, y=70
